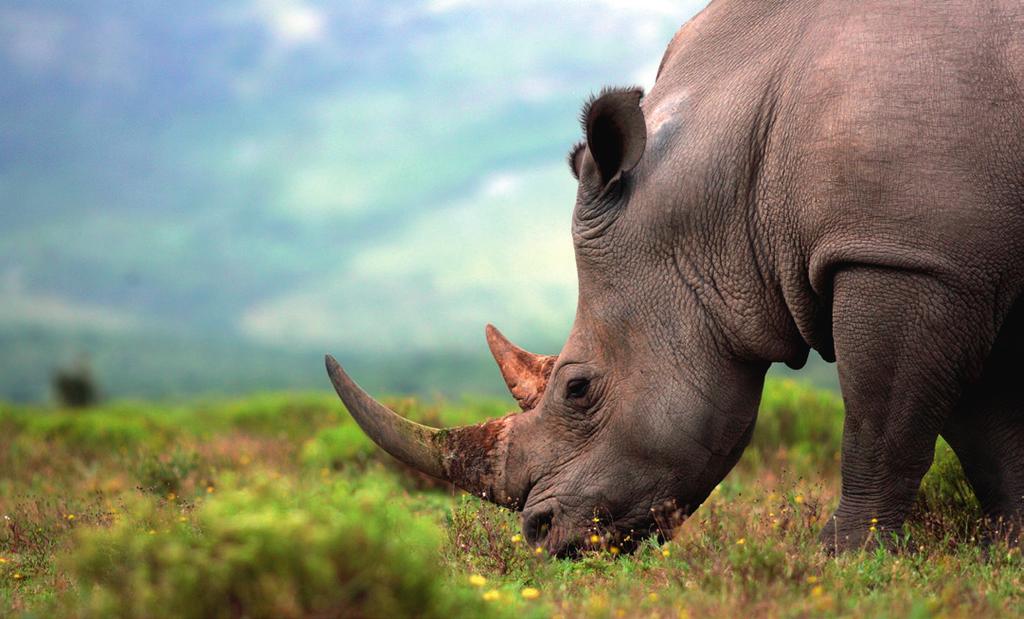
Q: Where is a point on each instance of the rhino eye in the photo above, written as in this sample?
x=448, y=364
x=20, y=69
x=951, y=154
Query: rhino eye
x=576, y=388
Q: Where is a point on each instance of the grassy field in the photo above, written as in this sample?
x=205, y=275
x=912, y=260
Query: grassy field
x=277, y=506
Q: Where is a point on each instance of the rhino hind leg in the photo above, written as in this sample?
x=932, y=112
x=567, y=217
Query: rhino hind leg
x=905, y=344
x=987, y=430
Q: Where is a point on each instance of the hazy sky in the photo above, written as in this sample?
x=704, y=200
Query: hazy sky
x=373, y=175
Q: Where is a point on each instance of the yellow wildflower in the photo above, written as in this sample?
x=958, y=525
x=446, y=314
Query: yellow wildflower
x=171, y=496
x=538, y=550
x=741, y=541
x=872, y=528
x=2, y=560
x=812, y=579
x=652, y=596
x=18, y=576
x=596, y=519
x=517, y=538
x=491, y=595
x=614, y=550
x=529, y=593
x=70, y=516
x=182, y=519
x=874, y=521
x=209, y=490
x=477, y=580
x=817, y=591
x=594, y=538
x=665, y=552
x=798, y=499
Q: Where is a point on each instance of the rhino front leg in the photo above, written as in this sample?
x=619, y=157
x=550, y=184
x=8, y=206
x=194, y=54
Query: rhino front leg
x=905, y=343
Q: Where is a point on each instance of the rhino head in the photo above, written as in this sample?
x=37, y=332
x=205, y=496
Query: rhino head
x=643, y=408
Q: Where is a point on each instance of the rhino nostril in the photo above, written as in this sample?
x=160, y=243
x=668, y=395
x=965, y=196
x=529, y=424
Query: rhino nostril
x=536, y=526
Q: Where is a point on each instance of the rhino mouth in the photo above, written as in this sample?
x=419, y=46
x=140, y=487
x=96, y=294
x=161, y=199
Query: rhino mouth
x=546, y=526
x=616, y=540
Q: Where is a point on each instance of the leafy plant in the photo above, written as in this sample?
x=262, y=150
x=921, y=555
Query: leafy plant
x=164, y=474
x=271, y=549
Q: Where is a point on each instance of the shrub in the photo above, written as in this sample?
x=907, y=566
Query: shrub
x=271, y=550
x=292, y=416
x=793, y=414
x=165, y=473
x=336, y=447
x=94, y=433
x=796, y=421
x=486, y=538
x=946, y=505
x=75, y=386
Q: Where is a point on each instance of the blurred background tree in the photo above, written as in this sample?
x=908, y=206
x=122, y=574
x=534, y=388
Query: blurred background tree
x=75, y=385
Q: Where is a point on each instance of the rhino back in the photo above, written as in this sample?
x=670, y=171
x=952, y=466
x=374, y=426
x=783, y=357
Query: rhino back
x=876, y=132
x=907, y=134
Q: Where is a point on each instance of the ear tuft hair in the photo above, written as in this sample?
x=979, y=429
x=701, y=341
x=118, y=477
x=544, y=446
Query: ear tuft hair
x=574, y=152
x=607, y=90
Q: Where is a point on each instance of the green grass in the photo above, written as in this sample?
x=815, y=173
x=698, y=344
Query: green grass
x=277, y=506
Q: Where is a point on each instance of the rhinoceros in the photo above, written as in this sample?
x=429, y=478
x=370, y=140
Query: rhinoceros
x=840, y=176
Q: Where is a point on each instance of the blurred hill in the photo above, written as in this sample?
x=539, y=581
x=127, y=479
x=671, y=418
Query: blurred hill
x=208, y=196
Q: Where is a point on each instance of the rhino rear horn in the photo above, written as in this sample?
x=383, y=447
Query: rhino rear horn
x=525, y=373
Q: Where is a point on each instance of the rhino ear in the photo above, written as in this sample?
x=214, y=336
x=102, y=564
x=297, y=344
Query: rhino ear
x=616, y=134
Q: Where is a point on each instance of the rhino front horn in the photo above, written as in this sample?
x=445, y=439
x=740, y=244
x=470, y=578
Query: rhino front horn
x=470, y=457
x=526, y=374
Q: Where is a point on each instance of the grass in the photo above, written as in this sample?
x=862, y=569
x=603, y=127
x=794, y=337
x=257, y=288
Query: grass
x=277, y=506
